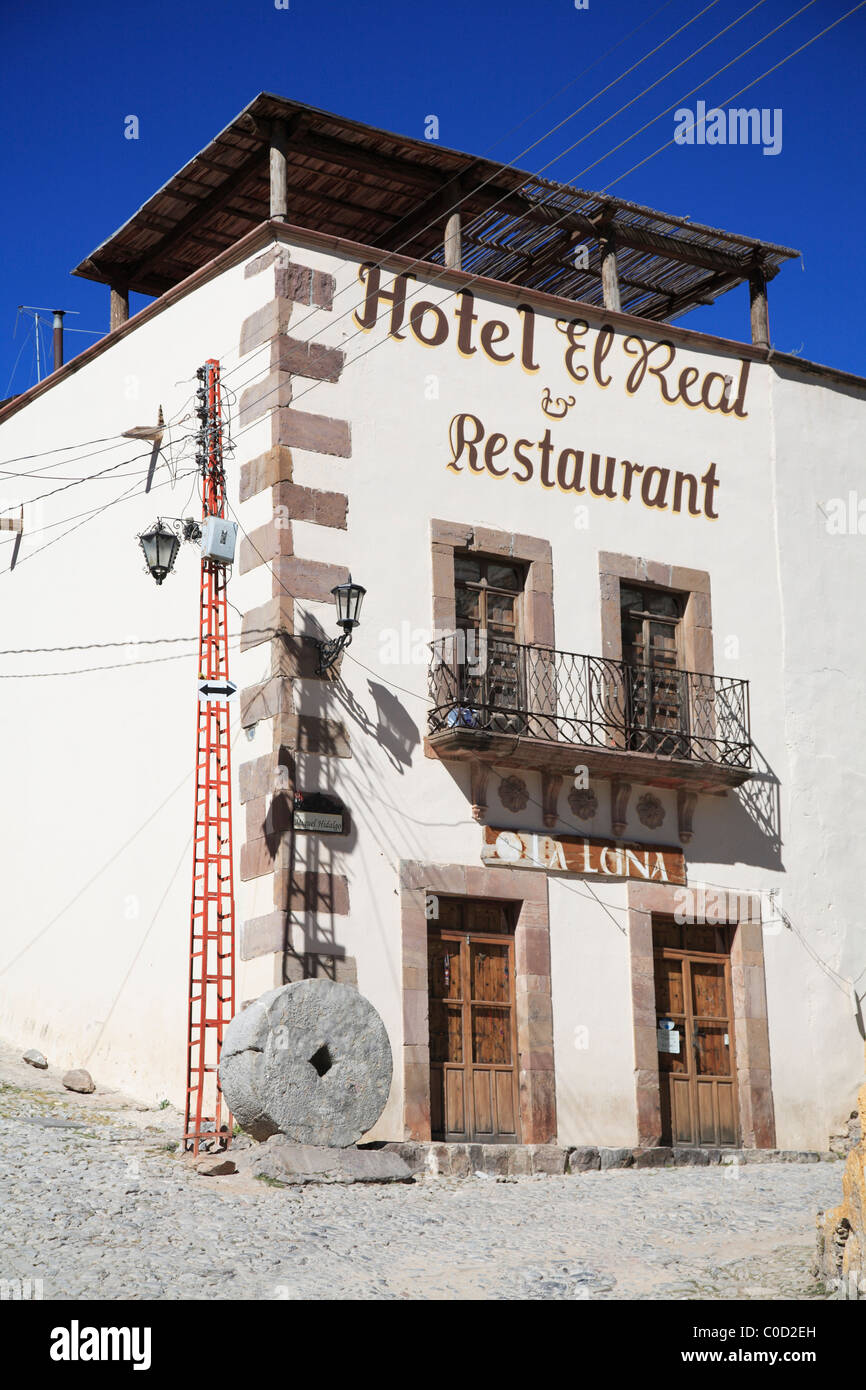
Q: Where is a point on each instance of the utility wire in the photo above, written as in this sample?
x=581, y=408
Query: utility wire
x=97, y=646
x=701, y=84
x=61, y=449
x=504, y=167
x=501, y=168
x=572, y=82
x=103, y=472
x=748, y=86
x=670, y=73
x=63, y=463
x=119, y=439
x=548, y=227
x=133, y=491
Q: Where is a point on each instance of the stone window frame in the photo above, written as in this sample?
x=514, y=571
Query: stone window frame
x=697, y=622
x=526, y=890
x=536, y=554
x=748, y=1003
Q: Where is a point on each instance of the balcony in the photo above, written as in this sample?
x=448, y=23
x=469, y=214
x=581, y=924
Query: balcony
x=536, y=708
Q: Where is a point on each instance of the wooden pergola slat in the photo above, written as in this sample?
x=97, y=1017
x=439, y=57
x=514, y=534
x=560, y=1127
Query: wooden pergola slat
x=384, y=190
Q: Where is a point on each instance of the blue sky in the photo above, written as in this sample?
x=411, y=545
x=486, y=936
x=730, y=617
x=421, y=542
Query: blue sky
x=72, y=73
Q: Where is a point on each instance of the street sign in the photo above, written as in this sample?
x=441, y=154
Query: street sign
x=213, y=691
x=319, y=812
x=321, y=821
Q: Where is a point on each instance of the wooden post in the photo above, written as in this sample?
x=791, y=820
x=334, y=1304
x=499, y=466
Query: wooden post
x=119, y=306
x=609, y=276
x=759, y=309
x=279, y=171
x=454, y=242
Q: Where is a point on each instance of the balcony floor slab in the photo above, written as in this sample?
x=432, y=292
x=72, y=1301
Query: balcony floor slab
x=543, y=755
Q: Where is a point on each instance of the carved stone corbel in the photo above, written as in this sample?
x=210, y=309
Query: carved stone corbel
x=479, y=773
x=550, y=785
x=619, y=797
x=685, y=811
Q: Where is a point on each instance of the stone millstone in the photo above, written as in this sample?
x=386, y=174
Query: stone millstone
x=310, y=1060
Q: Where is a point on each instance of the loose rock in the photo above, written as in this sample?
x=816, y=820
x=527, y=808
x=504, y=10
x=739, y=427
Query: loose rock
x=79, y=1080
x=285, y=1162
x=35, y=1059
x=216, y=1166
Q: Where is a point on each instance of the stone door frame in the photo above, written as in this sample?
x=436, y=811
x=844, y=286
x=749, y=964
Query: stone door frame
x=527, y=890
x=748, y=1003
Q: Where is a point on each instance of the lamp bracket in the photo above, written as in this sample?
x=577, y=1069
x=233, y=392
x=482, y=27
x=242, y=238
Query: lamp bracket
x=186, y=528
x=329, y=650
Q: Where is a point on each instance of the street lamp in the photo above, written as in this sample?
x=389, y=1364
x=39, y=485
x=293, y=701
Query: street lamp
x=348, y=599
x=161, y=542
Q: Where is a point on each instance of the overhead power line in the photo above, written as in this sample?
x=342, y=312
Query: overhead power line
x=748, y=86
x=60, y=449
x=432, y=280
x=503, y=167
x=91, y=516
x=685, y=96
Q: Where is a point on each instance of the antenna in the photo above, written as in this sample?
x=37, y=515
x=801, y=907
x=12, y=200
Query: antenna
x=36, y=310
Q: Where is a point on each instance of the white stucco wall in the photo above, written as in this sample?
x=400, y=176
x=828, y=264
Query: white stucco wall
x=97, y=754
x=98, y=805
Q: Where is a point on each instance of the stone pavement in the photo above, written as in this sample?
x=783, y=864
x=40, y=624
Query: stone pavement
x=97, y=1203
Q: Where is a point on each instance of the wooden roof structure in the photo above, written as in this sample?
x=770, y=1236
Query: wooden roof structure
x=393, y=193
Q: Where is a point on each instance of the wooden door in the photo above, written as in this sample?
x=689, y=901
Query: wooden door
x=492, y=680
x=473, y=1043
x=655, y=687
x=697, y=1067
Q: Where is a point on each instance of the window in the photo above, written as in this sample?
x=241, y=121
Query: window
x=488, y=597
x=655, y=686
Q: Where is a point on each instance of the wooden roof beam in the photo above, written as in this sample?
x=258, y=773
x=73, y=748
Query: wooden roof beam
x=333, y=151
x=714, y=285
x=197, y=214
x=675, y=249
x=641, y=239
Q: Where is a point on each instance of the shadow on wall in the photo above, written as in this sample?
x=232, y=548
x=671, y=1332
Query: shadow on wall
x=313, y=893
x=755, y=817
x=394, y=729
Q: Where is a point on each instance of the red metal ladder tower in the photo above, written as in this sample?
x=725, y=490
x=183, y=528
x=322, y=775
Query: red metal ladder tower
x=212, y=917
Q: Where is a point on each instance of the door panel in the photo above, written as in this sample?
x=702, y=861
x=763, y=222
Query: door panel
x=481, y=1094
x=455, y=1108
x=706, y=1113
x=727, y=1099
x=473, y=1074
x=697, y=1068
x=708, y=989
x=505, y=1108
x=682, y=1119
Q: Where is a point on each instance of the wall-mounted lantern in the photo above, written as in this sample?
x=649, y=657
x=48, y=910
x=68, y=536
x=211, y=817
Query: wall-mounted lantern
x=161, y=542
x=348, y=599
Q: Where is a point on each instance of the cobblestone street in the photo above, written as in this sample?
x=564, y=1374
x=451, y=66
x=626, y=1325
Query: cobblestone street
x=97, y=1204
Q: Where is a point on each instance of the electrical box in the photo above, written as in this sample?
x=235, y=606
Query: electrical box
x=218, y=540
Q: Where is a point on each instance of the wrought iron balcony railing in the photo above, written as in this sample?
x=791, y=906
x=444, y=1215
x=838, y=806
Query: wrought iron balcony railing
x=509, y=688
